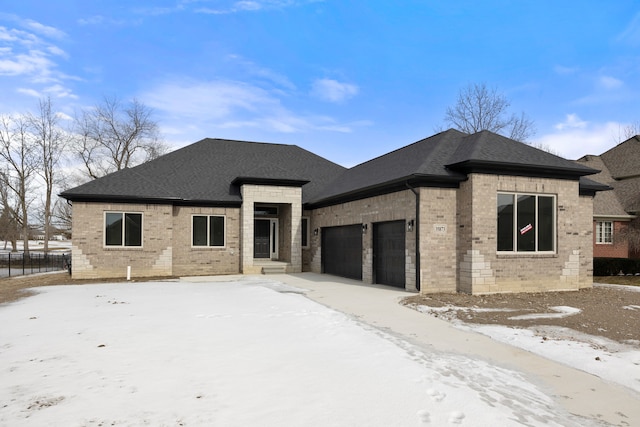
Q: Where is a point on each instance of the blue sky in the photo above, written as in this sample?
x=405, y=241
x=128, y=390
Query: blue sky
x=349, y=80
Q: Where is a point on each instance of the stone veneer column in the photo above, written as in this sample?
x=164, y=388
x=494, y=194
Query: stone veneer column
x=252, y=194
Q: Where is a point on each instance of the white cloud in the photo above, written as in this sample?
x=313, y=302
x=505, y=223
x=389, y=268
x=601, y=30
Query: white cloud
x=609, y=82
x=575, y=138
x=631, y=34
x=252, y=6
x=31, y=55
x=332, y=90
x=44, y=30
x=572, y=121
x=202, y=107
x=29, y=92
x=563, y=70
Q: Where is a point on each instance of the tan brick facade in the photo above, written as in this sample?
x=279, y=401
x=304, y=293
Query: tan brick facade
x=289, y=201
x=194, y=261
x=388, y=207
x=92, y=259
x=457, y=228
x=483, y=270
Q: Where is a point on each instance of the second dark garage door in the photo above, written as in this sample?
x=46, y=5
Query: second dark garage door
x=389, y=253
x=342, y=251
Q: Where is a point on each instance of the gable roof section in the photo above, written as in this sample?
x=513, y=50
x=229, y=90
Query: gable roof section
x=203, y=173
x=445, y=159
x=623, y=160
x=422, y=161
x=619, y=169
x=488, y=152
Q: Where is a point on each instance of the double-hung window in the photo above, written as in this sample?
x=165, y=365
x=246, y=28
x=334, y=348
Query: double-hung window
x=208, y=230
x=123, y=229
x=604, y=232
x=526, y=222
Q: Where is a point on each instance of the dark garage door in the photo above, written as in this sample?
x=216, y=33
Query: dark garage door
x=342, y=251
x=389, y=253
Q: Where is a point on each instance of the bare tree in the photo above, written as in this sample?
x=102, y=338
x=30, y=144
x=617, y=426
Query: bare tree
x=627, y=132
x=9, y=228
x=50, y=144
x=112, y=136
x=481, y=108
x=18, y=151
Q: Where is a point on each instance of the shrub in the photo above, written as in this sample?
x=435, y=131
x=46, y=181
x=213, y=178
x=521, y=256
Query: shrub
x=615, y=266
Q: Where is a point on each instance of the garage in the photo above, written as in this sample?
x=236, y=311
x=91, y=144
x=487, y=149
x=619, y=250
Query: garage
x=389, y=253
x=342, y=251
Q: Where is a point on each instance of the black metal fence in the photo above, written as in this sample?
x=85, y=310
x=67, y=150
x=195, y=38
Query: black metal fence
x=18, y=264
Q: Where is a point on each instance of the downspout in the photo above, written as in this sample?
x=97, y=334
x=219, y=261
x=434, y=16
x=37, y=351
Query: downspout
x=417, y=230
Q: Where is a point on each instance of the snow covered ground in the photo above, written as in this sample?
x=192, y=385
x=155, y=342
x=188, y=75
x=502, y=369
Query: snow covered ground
x=249, y=352
x=607, y=359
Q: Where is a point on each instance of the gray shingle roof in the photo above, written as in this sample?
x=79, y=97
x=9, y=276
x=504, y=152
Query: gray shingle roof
x=620, y=169
x=204, y=171
x=446, y=158
x=210, y=170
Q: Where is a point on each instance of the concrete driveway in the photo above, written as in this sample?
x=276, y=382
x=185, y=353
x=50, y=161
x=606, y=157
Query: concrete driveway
x=579, y=392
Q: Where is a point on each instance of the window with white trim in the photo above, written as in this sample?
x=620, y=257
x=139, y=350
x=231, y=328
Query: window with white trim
x=604, y=232
x=526, y=223
x=123, y=229
x=208, y=230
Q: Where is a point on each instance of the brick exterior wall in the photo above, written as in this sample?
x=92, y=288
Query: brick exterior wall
x=483, y=270
x=457, y=227
x=91, y=259
x=289, y=200
x=438, y=240
x=166, y=247
x=389, y=207
x=618, y=249
x=198, y=261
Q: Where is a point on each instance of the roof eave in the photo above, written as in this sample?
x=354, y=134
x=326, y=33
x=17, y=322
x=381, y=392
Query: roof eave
x=415, y=180
x=269, y=181
x=519, y=169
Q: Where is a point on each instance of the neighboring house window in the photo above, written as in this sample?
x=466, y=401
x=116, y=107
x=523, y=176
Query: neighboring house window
x=208, y=230
x=305, y=232
x=604, y=232
x=123, y=229
x=526, y=223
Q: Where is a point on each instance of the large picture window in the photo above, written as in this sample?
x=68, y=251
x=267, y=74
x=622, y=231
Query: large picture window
x=123, y=229
x=208, y=230
x=526, y=223
x=604, y=232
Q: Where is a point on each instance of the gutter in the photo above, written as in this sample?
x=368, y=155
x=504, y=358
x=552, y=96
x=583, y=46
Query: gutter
x=417, y=230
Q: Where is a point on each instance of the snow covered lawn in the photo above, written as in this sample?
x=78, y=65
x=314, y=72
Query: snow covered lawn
x=250, y=352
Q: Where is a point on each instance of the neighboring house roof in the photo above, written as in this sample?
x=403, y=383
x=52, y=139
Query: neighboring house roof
x=212, y=170
x=619, y=169
x=203, y=172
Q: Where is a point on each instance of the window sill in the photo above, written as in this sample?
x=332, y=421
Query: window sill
x=526, y=255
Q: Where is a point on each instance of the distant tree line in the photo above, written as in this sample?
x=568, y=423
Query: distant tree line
x=42, y=154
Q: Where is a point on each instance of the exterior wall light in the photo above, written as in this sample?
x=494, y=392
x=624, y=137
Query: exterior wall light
x=410, y=225
x=364, y=228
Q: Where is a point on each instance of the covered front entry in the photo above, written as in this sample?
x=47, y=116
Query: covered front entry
x=389, y=253
x=265, y=238
x=342, y=251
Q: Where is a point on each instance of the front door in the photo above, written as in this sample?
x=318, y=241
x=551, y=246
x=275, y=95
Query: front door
x=265, y=238
x=262, y=238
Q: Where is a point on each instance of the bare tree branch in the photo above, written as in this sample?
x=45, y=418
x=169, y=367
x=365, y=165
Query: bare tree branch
x=481, y=108
x=18, y=150
x=112, y=136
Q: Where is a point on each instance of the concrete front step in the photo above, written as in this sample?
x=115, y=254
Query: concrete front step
x=274, y=269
